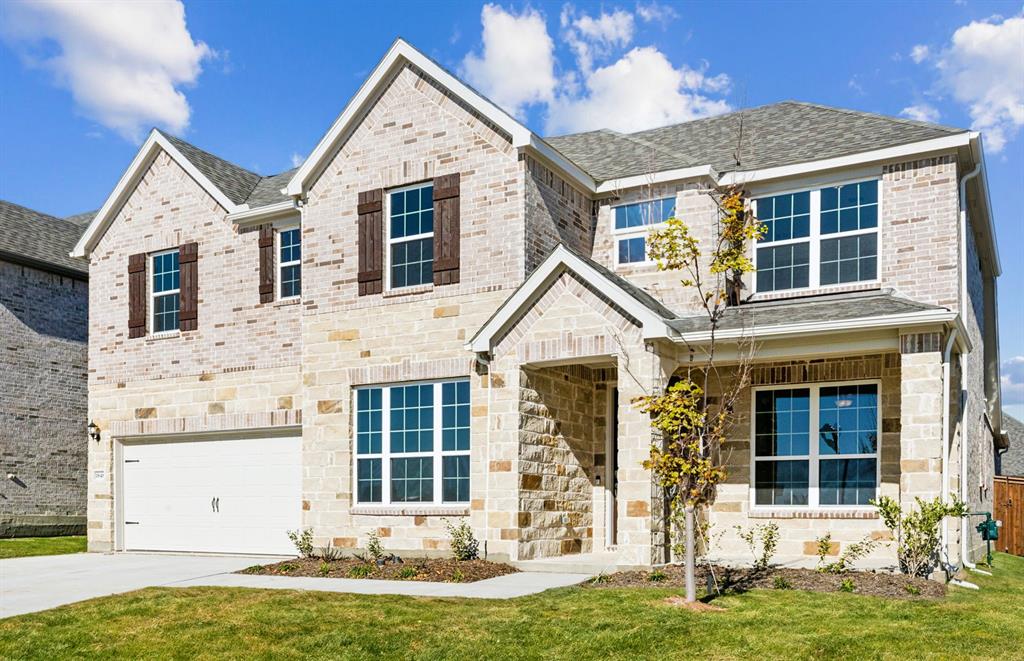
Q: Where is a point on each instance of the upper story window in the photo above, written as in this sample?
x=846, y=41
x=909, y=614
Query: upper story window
x=411, y=236
x=289, y=262
x=631, y=223
x=166, y=291
x=412, y=443
x=817, y=238
x=835, y=465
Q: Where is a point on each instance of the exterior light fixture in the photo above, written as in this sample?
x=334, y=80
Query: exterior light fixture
x=94, y=431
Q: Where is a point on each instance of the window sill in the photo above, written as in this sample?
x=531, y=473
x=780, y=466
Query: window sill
x=285, y=302
x=410, y=510
x=813, y=514
x=167, y=335
x=406, y=291
x=783, y=294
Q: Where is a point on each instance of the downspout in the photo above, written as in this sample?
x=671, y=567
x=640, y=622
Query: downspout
x=965, y=528
x=946, y=440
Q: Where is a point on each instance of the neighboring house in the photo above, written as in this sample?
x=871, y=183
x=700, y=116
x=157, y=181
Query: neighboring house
x=1010, y=461
x=441, y=314
x=44, y=318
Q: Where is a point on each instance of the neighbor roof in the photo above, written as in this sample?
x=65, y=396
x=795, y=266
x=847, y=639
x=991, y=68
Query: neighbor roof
x=779, y=134
x=1011, y=462
x=40, y=240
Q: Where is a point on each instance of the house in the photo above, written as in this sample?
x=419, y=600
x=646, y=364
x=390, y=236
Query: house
x=44, y=320
x=1010, y=460
x=441, y=314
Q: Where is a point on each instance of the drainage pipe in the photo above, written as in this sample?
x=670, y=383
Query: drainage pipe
x=947, y=443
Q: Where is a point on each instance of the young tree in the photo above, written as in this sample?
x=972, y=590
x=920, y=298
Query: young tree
x=692, y=423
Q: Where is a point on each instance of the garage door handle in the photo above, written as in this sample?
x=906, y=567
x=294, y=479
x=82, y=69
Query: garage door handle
x=213, y=504
x=217, y=499
x=131, y=523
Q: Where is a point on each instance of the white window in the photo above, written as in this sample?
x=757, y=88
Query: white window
x=165, y=293
x=412, y=443
x=632, y=222
x=410, y=249
x=289, y=262
x=818, y=238
x=815, y=445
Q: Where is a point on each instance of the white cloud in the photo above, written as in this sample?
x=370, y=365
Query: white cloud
x=1012, y=380
x=593, y=38
x=639, y=91
x=517, y=65
x=122, y=61
x=297, y=159
x=922, y=112
x=919, y=53
x=983, y=68
x=655, y=12
x=615, y=28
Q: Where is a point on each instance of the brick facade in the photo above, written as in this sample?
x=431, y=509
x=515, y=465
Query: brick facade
x=43, y=321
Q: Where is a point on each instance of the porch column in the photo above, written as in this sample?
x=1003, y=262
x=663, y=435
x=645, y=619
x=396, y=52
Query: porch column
x=497, y=513
x=921, y=442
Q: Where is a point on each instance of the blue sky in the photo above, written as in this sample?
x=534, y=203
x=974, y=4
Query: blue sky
x=258, y=83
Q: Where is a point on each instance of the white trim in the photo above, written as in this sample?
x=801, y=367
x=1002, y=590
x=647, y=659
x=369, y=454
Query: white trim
x=813, y=457
x=279, y=265
x=264, y=214
x=740, y=177
x=397, y=56
x=559, y=261
x=153, y=294
x=660, y=177
x=129, y=180
x=436, y=454
x=388, y=241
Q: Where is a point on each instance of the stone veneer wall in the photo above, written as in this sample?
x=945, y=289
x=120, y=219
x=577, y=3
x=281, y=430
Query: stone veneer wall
x=558, y=442
x=798, y=530
x=43, y=327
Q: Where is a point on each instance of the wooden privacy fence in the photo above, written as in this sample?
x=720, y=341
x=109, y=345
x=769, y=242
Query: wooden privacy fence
x=1009, y=508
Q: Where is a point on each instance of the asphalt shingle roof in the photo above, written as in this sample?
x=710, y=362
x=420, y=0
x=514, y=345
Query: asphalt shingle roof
x=39, y=239
x=833, y=307
x=778, y=134
x=268, y=190
x=1011, y=462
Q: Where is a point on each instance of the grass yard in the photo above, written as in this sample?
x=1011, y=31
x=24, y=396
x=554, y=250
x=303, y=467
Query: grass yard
x=571, y=623
x=20, y=547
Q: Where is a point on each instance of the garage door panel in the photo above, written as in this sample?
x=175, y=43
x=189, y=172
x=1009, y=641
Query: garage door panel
x=169, y=490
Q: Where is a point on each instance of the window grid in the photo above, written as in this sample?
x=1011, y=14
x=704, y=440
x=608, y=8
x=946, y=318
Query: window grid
x=391, y=433
x=824, y=469
x=166, y=291
x=632, y=222
x=832, y=257
x=410, y=236
x=289, y=262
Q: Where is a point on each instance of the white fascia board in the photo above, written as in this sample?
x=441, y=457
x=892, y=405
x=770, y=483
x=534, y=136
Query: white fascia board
x=263, y=214
x=905, y=320
x=401, y=52
x=741, y=177
x=664, y=176
x=129, y=180
x=652, y=324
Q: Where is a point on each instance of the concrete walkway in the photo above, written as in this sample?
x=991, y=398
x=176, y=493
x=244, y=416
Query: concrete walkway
x=40, y=583
x=500, y=587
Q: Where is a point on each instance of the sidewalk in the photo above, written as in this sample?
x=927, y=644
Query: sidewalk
x=500, y=587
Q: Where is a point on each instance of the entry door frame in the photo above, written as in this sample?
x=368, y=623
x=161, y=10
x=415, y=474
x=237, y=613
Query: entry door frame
x=121, y=441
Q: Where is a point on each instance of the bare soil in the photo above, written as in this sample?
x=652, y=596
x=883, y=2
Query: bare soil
x=879, y=584
x=443, y=570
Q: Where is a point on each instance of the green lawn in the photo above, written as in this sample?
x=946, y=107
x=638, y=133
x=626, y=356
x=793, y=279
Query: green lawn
x=20, y=547
x=571, y=623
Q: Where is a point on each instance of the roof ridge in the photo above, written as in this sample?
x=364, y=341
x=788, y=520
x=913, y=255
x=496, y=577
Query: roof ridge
x=875, y=115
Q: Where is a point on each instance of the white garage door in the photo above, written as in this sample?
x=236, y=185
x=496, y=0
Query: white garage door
x=220, y=496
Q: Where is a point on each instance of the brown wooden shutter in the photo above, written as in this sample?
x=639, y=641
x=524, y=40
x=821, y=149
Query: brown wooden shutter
x=447, y=230
x=266, y=264
x=371, y=237
x=137, y=295
x=188, y=264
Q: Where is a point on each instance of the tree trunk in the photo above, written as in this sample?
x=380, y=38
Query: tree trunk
x=691, y=579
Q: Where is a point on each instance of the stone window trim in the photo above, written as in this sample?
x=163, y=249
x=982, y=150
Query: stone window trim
x=370, y=509
x=816, y=238
x=813, y=457
x=844, y=513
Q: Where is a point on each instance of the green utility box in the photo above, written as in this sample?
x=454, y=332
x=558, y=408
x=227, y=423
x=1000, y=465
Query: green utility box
x=989, y=529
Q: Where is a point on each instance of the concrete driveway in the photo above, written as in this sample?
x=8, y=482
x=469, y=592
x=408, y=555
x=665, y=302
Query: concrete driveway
x=38, y=583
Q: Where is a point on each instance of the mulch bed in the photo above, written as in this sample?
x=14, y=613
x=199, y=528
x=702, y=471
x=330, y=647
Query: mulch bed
x=442, y=570
x=736, y=580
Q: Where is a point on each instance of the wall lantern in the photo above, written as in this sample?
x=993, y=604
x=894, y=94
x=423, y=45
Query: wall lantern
x=94, y=431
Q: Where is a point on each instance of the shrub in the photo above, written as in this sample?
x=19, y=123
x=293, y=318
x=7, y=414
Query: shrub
x=853, y=552
x=824, y=547
x=657, y=576
x=847, y=585
x=360, y=571
x=912, y=589
x=464, y=544
x=325, y=568
x=917, y=530
x=253, y=569
x=767, y=536
x=782, y=583
x=329, y=553
x=303, y=541
x=458, y=576
x=600, y=578
x=407, y=572
x=374, y=546
x=286, y=567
